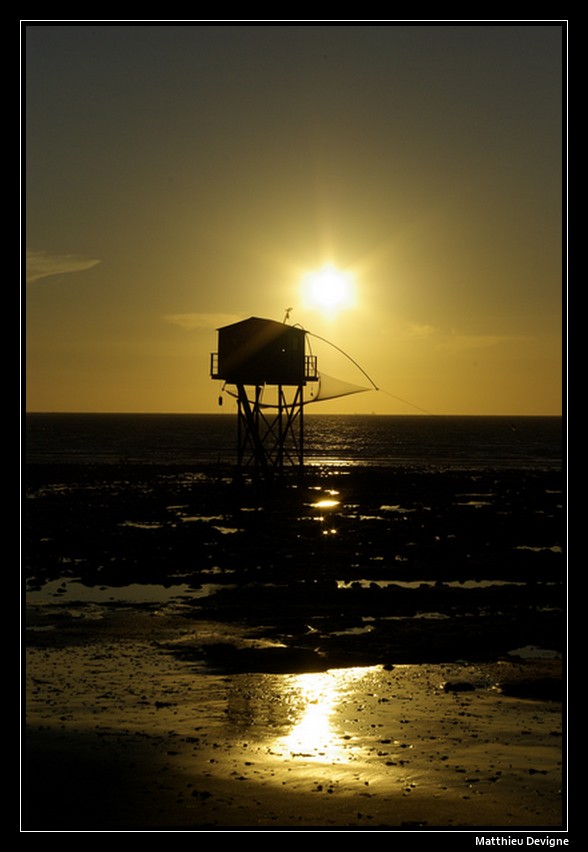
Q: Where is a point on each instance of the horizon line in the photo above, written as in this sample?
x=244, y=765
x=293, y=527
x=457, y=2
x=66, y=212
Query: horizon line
x=324, y=414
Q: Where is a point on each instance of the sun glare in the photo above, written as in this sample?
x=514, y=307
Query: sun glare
x=328, y=290
x=316, y=735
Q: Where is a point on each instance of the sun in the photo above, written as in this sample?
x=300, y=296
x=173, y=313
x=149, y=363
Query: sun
x=328, y=290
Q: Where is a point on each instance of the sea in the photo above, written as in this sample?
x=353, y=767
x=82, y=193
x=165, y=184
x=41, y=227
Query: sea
x=421, y=441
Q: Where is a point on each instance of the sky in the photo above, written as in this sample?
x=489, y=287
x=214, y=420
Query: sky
x=181, y=176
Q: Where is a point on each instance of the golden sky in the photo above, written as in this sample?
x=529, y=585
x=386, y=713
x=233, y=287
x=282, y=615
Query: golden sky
x=182, y=176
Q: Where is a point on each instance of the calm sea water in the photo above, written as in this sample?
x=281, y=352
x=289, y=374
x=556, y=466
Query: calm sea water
x=422, y=441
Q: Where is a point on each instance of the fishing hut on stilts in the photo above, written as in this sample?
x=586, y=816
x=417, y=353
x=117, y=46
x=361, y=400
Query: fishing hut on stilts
x=267, y=363
x=267, y=366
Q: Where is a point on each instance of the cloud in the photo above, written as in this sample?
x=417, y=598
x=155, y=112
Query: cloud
x=455, y=341
x=41, y=264
x=420, y=330
x=459, y=342
x=201, y=321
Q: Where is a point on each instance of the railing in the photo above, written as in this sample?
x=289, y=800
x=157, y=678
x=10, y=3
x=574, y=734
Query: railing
x=310, y=367
x=214, y=365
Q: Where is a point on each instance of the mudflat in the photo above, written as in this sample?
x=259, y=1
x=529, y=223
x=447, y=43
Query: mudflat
x=364, y=650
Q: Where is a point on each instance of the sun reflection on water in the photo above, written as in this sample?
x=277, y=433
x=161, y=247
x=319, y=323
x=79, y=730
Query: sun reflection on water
x=325, y=504
x=315, y=735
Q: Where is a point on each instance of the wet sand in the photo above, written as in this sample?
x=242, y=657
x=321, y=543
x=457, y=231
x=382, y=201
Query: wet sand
x=123, y=735
x=358, y=666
